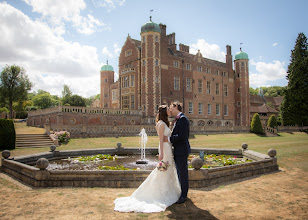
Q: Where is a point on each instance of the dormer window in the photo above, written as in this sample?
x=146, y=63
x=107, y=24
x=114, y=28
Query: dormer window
x=128, y=53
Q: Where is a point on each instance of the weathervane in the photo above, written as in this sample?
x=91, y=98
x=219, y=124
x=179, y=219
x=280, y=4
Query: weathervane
x=241, y=46
x=151, y=15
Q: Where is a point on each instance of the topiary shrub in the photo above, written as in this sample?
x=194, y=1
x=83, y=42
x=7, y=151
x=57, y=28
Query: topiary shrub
x=256, y=126
x=272, y=122
x=7, y=134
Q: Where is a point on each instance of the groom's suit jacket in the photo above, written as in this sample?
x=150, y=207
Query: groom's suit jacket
x=179, y=137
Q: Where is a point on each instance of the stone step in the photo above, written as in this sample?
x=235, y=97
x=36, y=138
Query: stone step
x=33, y=140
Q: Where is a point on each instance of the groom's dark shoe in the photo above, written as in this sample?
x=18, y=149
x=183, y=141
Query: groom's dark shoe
x=181, y=200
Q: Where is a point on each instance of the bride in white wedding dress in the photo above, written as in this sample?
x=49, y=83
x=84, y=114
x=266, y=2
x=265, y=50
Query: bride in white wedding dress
x=161, y=188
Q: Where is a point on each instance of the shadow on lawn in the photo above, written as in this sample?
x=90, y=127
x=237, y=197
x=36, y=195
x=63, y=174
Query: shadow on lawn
x=188, y=210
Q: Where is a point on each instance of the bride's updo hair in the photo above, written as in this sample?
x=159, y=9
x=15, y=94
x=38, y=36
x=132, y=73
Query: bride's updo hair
x=162, y=114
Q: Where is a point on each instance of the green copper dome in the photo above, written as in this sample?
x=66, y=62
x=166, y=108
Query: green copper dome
x=107, y=68
x=150, y=26
x=241, y=56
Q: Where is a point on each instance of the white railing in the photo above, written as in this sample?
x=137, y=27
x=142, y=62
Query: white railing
x=89, y=110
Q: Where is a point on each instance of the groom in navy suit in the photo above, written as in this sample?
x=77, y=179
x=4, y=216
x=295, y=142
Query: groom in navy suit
x=179, y=140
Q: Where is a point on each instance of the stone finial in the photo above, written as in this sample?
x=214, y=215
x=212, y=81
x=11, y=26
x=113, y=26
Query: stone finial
x=197, y=163
x=271, y=152
x=53, y=148
x=42, y=163
x=244, y=146
x=6, y=154
x=119, y=144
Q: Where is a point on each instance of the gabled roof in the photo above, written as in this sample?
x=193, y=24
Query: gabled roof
x=262, y=109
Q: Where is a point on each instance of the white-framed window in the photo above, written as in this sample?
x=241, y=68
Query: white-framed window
x=190, y=108
x=199, y=85
x=209, y=109
x=175, y=63
x=125, y=81
x=176, y=83
x=199, y=68
x=156, y=62
x=125, y=102
x=132, y=82
x=188, y=84
x=224, y=74
x=208, y=70
x=128, y=53
x=226, y=89
x=208, y=87
x=217, y=109
x=217, y=72
x=225, y=110
x=217, y=88
x=200, y=108
x=188, y=66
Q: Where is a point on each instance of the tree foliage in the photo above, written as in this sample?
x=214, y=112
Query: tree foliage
x=44, y=100
x=272, y=122
x=256, y=126
x=272, y=91
x=14, y=86
x=294, y=108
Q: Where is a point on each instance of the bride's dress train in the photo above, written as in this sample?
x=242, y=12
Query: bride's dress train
x=160, y=189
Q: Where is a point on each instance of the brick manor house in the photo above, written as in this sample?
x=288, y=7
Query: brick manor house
x=152, y=71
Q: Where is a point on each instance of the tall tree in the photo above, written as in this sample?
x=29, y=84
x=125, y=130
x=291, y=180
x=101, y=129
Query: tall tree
x=294, y=107
x=44, y=100
x=14, y=86
x=76, y=100
x=66, y=94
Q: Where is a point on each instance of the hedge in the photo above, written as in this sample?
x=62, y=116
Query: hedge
x=256, y=126
x=7, y=134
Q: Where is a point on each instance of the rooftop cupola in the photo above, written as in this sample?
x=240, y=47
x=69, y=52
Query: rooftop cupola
x=150, y=26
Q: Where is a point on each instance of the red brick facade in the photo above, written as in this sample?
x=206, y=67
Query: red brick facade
x=153, y=72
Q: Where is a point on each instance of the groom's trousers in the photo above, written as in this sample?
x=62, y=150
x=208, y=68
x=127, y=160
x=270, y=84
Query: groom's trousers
x=182, y=170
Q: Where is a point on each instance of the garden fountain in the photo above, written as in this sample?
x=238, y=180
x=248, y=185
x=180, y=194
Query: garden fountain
x=143, y=141
x=24, y=169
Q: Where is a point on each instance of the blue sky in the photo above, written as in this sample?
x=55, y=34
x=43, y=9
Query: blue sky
x=66, y=42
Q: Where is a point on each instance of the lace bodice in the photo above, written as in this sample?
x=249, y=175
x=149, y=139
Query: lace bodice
x=167, y=131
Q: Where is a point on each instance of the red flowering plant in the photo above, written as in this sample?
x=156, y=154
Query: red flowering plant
x=163, y=166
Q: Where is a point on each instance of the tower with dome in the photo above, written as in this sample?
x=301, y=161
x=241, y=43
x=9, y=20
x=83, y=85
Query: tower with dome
x=155, y=70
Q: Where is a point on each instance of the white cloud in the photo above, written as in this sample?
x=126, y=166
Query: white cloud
x=106, y=52
x=58, y=11
x=116, y=49
x=266, y=73
x=211, y=51
x=275, y=44
x=49, y=60
x=109, y=4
